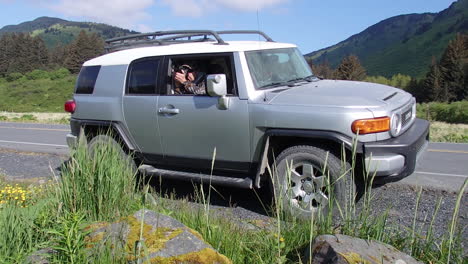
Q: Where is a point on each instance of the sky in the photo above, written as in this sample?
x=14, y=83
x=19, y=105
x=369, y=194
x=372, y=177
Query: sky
x=310, y=24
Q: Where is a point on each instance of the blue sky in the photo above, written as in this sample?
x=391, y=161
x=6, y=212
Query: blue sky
x=311, y=24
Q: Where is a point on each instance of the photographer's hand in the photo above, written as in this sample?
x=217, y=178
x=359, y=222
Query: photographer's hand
x=180, y=77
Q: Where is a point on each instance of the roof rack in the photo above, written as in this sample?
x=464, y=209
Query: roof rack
x=174, y=37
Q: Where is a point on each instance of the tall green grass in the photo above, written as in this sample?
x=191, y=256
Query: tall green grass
x=99, y=183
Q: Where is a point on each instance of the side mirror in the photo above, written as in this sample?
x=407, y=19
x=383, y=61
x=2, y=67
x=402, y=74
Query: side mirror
x=216, y=84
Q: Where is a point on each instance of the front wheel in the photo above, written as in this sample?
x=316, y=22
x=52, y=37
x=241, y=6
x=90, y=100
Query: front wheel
x=310, y=179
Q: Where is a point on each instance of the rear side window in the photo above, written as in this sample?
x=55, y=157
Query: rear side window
x=87, y=79
x=143, y=76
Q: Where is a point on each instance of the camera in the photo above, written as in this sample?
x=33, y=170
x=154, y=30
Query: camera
x=184, y=69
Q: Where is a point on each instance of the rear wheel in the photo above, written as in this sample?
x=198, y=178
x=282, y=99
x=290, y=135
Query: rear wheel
x=309, y=179
x=101, y=142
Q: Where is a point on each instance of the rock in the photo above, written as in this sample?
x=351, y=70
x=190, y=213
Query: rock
x=341, y=249
x=164, y=239
x=41, y=256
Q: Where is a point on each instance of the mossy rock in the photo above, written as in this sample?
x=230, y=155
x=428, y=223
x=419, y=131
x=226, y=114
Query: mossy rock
x=154, y=238
x=341, y=249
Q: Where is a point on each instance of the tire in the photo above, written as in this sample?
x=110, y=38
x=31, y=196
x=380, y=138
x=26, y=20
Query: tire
x=102, y=140
x=301, y=177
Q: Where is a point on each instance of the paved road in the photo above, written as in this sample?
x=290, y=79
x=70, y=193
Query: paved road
x=444, y=166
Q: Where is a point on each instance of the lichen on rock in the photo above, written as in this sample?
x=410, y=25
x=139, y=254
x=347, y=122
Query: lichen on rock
x=157, y=238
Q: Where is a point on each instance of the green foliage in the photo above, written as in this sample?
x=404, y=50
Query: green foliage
x=69, y=239
x=98, y=184
x=20, y=94
x=13, y=76
x=397, y=80
x=59, y=74
x=455, y=113
x=21, y=231
x=37, y=74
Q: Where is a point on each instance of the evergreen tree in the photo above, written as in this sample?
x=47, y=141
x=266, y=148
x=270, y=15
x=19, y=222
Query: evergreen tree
x=350, y=69
x=83, y=48
x=57, y=55
x=417, y=89
x=452, y=64
x=434, y=83
x=323, y=70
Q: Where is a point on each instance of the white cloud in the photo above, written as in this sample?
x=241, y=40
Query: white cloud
x=133, y=14
x=249, y=5
x=196, y=8
x=123, y=13
x=192, y=8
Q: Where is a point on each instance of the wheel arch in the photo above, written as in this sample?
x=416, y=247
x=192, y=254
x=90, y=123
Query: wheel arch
x=277, y=140
x=92, y=128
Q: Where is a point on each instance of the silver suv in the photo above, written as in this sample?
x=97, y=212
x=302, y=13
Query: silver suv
x=260, y=108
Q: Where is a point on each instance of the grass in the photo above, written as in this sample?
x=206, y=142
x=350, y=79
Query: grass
x=444, y=132
x=38, y=91
x=34, y=117
x=100, y=187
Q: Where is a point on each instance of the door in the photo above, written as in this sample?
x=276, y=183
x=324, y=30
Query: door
x=140, y=104
x=192, y=126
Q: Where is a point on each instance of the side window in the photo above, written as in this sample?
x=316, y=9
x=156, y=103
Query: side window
x=87, y=79
x=188, y=74
x=143, y=76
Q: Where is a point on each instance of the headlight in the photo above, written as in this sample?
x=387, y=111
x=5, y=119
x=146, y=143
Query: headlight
x=395, y=124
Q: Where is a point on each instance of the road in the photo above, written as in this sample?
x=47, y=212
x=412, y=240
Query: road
x=444, y=166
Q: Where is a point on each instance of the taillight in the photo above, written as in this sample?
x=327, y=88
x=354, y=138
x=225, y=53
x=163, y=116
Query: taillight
x=70, y=106
x=371, y=125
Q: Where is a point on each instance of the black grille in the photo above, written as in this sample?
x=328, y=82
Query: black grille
x=406, y=117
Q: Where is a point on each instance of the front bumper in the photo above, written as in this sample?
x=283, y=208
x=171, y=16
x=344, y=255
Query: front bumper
x=397, y=157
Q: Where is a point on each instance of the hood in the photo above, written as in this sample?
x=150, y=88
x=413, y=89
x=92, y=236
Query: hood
x=331, y=93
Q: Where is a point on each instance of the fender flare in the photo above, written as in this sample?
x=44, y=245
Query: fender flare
x=346, y=141
x=80, y=124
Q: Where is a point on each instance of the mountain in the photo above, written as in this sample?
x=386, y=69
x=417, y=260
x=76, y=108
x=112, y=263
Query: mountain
x=401, y=44
x=55, y=30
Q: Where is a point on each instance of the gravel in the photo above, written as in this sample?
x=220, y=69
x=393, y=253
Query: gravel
x=29, y=166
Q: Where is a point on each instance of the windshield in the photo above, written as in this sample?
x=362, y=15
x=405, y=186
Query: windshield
x=276, y=67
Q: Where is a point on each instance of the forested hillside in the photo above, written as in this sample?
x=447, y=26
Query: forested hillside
x=402, y=44
x=55, y=31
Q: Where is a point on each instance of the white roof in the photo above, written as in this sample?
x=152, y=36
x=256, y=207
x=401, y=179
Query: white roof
x=127, y=56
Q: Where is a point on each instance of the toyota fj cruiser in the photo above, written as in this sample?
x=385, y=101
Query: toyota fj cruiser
x=262, y=108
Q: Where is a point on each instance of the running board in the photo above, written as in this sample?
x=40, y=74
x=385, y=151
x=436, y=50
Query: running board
x=245, y=183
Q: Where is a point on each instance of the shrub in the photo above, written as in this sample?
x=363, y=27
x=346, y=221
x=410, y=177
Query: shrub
x=37, y=75
x=13, y=76
x=455, y=113
x=59, y=74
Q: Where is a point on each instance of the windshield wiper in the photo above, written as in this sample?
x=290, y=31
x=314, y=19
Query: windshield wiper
x=275, y=84
x=307, y=78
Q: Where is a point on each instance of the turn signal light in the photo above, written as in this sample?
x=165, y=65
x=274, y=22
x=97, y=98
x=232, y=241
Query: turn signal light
x=372, y=125
x=70, y=106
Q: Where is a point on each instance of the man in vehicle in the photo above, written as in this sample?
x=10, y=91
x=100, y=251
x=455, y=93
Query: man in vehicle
x=188, y=81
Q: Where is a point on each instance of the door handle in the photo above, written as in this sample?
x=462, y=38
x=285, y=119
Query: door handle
x=172, y=111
